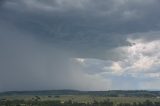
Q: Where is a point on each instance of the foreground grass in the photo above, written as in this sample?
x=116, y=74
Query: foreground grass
x=80, y=98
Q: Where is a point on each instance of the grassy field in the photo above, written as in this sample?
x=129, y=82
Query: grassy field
x=80, y=98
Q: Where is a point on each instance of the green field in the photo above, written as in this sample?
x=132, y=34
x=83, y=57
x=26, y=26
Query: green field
x=81, y=98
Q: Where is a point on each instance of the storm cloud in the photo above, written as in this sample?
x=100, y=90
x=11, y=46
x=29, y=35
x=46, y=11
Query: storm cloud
x=79, y=44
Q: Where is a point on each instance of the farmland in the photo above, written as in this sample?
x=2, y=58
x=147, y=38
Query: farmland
x=79, y=98
x=70, y=98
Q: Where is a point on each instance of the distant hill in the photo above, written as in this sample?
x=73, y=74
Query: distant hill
x=111, y=93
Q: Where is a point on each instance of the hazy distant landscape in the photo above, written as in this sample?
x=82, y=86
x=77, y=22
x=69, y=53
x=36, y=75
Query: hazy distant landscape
x=80, y=98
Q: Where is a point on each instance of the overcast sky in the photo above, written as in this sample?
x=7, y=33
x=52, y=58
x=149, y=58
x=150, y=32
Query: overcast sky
x=79, y=44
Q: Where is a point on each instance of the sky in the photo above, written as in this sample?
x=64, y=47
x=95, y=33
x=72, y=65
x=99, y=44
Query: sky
x=79, y=44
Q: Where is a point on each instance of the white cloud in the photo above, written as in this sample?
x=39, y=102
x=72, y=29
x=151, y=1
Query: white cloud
x=143, y=55
x=143, y=62
x=140, y=57
x=80, y=60
x=116, y=67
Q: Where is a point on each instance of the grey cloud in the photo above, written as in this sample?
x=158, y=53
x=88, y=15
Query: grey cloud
x=29, y=64
x=46, y=34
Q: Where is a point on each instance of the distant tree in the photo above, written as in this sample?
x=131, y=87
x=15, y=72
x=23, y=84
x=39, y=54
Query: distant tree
x=157, y=103
x=148, y=103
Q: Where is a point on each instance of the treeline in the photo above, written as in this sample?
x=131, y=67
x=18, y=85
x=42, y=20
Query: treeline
x=111, y=93
x=70, y=103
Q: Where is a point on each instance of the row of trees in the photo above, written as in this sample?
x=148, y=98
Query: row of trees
x=70, y=103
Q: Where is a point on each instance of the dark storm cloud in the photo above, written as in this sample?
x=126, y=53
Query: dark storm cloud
x=38, y=37
x=84, y=24
x=72, y=29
